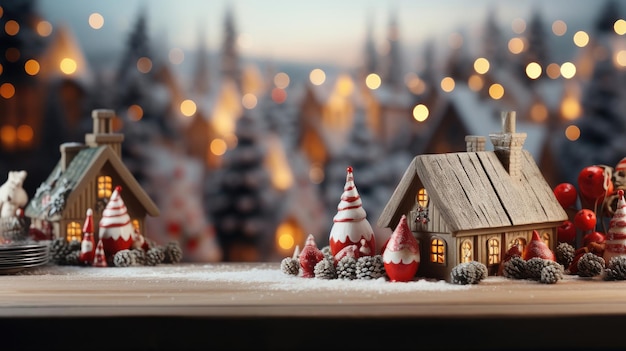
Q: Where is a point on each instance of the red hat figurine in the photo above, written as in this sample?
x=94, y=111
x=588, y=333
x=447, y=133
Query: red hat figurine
x=402, y=255
x=100, y=259
x=87, y=245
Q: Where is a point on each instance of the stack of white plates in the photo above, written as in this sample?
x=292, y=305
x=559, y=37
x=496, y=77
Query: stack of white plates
x=17, y=257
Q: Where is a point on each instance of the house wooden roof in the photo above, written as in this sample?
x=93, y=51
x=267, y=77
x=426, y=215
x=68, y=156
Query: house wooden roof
x=83, y=167
x=473, y=191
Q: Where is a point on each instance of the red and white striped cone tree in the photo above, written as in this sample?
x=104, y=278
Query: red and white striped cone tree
x=615, y=243
x=87, y=245
x=100, y=259
x=350, y=225
x=116, y=230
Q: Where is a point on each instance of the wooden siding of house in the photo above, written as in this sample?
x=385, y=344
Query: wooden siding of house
x=431, y=269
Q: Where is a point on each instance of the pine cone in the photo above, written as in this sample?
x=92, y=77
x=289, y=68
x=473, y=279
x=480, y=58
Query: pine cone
x=173, y=252
x=551, y=274
x=71, y=258
x=124, y=258
x=515, y=268
x=327, y=253
x=325, y=269
x=590, y=265
x=154, y=256
x=565, y=254
x=59, y=249
x=467, y=273
x=140, y=256
x=370, y=267
x=481, y=269
x=534, y=267
x=346, y=268
x=290, y=266
x=616, y=269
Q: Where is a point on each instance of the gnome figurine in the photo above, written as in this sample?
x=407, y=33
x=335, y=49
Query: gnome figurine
x=402, y=255
x=615, y=243
x=87, y=245
x=116, y=230
x=350, y=225
x=537, y=248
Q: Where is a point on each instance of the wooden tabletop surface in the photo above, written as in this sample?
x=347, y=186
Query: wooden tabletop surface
x=574, y=312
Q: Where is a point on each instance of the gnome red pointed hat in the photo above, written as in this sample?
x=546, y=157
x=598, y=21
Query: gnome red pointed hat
x=401, y=256
x=537, y=248
x=88, y=226
x=116, y=230
x=350, y=224
x=309, y=257
x=87, y=246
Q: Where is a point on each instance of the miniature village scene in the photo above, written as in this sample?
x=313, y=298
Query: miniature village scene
x=498, y=154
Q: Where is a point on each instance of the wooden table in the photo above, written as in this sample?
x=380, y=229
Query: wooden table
x=201, y=306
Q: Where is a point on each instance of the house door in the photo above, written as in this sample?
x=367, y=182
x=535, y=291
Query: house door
x=493, y=255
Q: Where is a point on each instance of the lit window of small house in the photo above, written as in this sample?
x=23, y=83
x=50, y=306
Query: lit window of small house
x=467, y=251
x=493, y=251
x=521, y=242
x=74, y=231
x=437, y=251
x=105, y=187
x=545, y=236
x=135, y=223
x=422, y=197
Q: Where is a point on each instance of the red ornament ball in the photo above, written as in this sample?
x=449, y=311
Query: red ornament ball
x=594, y=184
x=593, y=237
x=585, y=219
x=566, y=194
x=566, y=233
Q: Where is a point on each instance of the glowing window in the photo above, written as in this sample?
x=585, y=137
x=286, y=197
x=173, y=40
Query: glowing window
x=422, y=197
x=73, y=232
x=105, y=187
x=521, y=242
x=437, y=251
x=135, y=223
x=467, y=251
x=493, y=251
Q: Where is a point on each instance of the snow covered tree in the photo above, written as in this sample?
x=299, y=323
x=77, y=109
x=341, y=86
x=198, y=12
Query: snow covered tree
x=494, y=45
x=242, y=202
x=230, y=65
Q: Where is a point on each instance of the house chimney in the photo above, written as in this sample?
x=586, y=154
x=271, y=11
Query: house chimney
x=508, y=145
x=474, y=143
x=103, y=131
x=68, y=152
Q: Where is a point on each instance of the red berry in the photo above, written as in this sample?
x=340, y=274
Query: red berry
x=585, y=219
x=566, y=233
x=566, y=194
x=594, y=184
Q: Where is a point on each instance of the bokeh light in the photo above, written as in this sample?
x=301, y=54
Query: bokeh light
x=559, y=28
x=481, y=65
x=135, y=112
x=373, y=81
x=447, y=84
x=420, y=112
x=144, y=65
x=553, y=70
x=279, y=95
x=620, y=27
x=539, y=112
x=218, y=147
x=11, y=27
x=188, y=108
x=31, y=67
x=96, y=21
x=317, y=77
x=24, y=133
x=496, y=91
x=68, y=66
x=570, y=108
x=516, y=45
x=568, y=70
x=518, y=26
x=7, y=90
x=533, y=70
x=581, y=39
x=44, y=28
x=249, y=101
x=281, y=80
x=572, y=133
x=475, y=82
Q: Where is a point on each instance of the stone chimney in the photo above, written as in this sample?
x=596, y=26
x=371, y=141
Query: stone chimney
x=508, y=145
x=103, y=131
x=68, y=152
x=474, y=143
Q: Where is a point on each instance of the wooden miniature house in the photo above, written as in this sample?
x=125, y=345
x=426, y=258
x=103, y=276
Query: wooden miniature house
x=474, y=205
x=84, y=178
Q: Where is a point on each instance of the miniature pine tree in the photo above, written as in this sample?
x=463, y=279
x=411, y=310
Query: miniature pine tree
x=515, y=268
x=346, y=268
x=564, y=253
x=370, y=267
x=616, y=269
x=325, y=269
x=590, y=265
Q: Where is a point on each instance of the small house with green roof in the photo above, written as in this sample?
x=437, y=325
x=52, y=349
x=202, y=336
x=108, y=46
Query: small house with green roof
x=84, y=178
